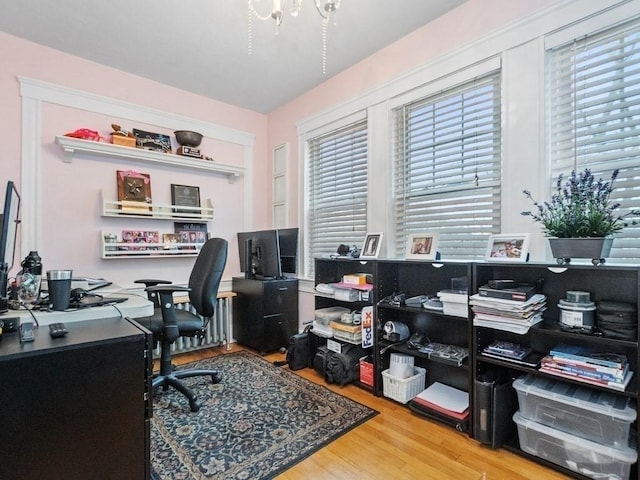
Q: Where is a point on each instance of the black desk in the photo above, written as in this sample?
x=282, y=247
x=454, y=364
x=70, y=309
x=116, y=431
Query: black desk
x=76, y=407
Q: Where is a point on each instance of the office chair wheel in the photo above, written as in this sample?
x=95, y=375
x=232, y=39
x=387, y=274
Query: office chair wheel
x=195, y=406
x=216, y=377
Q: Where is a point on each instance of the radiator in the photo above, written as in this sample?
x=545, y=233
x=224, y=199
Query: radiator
x=216, y=333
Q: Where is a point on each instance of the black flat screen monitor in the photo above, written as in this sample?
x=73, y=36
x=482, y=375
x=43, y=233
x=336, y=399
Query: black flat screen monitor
x=10, y=221
x=288, y=238
x=260, y=254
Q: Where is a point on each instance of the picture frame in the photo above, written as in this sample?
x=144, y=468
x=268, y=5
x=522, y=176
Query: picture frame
x=371, y=246
x=134, y=191
x=422, y=246
x=157, y=142
x=508, y=247
x=185, y=196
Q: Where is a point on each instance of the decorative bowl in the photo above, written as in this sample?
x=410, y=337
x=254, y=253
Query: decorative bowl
x=187, y=138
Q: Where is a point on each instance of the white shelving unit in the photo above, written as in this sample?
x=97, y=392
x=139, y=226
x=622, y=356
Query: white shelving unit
x=120, y=250
x=158, y=211
x=126, y=250
x=74, y=146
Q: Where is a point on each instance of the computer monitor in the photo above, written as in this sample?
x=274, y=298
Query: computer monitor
x=288, y=238
x=260, y=254
x=8, y=233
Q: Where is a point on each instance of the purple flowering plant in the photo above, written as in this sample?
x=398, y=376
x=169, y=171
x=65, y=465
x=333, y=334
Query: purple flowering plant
x=581, y=207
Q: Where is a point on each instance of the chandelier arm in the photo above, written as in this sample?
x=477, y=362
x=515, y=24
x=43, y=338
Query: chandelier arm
x=320, y=10
x=253, y=10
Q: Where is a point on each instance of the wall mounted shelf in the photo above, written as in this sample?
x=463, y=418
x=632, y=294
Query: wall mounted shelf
x=114, y=208
x=74, y=146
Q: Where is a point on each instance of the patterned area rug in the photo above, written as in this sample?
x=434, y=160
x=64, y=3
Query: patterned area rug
x=259, y=421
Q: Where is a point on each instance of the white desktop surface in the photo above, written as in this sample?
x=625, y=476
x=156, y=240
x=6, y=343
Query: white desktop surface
x=135, y=307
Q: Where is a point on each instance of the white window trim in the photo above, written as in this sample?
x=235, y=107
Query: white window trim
x=498, y=46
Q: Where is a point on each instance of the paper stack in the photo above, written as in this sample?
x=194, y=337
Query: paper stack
x=511, y=315
x=445, y=399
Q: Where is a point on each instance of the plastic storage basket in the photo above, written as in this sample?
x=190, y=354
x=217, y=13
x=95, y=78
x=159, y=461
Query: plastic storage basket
x=598, y=416
x=403, y=389
x=578, y=454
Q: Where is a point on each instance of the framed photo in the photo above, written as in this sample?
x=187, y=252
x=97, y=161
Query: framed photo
x=512, y=247
x=152, y=141
x=185, y=196
x=372, y=245
x=134, y=191
x=170, y=241
x=422, y=246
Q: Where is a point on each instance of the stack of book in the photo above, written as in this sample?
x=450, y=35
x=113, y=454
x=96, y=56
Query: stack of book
x=510, y=309
x=588, y=365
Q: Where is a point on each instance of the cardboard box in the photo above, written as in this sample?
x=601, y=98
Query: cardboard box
x=124, y=141
x=355, y=279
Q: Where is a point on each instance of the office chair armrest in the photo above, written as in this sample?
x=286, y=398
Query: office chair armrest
x=168, y=288
x=150, y=282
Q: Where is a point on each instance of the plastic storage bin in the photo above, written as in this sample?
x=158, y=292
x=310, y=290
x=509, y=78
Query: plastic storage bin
x=599, y=416
x=324, y=316
x=577, y=454
x=403, y=389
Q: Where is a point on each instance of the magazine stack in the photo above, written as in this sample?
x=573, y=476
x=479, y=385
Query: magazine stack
x=588, y=365
x=513, y=310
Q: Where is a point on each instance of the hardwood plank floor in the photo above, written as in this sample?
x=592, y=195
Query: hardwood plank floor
x=398, y=444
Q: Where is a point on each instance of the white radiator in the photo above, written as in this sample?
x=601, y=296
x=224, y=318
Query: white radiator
x=216, y=333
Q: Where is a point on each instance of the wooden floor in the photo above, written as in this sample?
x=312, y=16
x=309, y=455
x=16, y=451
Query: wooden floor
x=397, y=444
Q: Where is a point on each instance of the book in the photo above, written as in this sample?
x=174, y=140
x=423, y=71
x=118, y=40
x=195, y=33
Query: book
x=590, y=370
x=619, y=386
x=591, y=355
x=521, y=293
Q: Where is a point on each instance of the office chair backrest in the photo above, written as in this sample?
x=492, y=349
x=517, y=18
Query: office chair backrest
x=206, y=276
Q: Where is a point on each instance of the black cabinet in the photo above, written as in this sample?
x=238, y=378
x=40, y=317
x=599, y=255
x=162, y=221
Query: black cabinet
x=452, y=332
x=77, y=406
x=603, y=282
x=332, y=271
x=265, y=313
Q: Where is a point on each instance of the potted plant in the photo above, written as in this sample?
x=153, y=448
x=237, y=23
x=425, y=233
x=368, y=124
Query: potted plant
x=581, y=218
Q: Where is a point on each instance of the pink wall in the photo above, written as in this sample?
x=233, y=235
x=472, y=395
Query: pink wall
x=71, y=211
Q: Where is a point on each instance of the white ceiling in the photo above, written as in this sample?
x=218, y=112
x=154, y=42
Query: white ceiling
x=201, y=46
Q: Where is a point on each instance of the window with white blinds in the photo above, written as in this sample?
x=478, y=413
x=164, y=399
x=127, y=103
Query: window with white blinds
x=337, y=191
x=593, y=86
x=447, y=168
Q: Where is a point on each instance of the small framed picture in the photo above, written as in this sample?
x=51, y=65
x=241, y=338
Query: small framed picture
x=134, y=191
x=512, y=247
x=152, y=141
x=185, y=196
x=422, y=246
x=372, y=245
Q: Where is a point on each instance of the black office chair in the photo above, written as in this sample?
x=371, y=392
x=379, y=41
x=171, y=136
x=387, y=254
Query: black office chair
x=167, y=323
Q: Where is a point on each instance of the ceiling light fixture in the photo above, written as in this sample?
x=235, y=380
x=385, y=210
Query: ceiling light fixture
x=324, y=7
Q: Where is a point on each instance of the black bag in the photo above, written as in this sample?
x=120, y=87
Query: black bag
x=319, y=359
x=617, y=320
x=298, y=351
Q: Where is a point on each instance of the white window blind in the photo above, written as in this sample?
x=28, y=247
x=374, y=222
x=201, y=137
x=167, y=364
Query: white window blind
x=447, y=168
x=594, y=117
x=337, y=190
